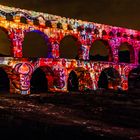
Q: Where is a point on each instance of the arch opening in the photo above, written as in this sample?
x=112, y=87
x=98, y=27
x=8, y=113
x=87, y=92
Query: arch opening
x=5, y=44
x=48, y=24
x=9, y=17
x=36, y=22
x=36, y=44
x=139, y=56
x=80, y=80
x=134, y=79
x=4, y=81
x=126, y=53
x=69, y=47
x=109, y=79
x=39, y=82
x=100, y=51
x=23, y=20
x=72, y=81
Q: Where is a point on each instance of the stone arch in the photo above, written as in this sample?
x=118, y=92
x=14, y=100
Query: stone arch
x=9, y=16
x=69, y=47
x=72, y=81
x=36, y=22
x=5, y=43
x=48, y=24
x=38, y=82
x=134, y=79
x=23, y=20
x=36, y=44
x=138, y=55
x=109, y=79
x=12, y=81
x=4, y=80
x=83, y=80
x=96, y=54
x=45, y=77
x=126, y=53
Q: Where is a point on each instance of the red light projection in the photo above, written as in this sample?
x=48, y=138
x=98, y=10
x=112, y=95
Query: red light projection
x=59, y=70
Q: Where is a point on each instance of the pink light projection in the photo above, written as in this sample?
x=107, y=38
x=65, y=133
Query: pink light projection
x=56, y=69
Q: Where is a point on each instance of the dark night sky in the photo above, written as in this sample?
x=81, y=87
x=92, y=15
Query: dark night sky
x=123, y=13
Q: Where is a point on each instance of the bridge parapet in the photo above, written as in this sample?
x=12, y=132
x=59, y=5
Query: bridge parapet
x=75, y=23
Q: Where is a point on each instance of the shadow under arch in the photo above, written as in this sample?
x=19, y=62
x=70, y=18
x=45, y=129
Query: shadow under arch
x=23, y=19
x=100, y=51
x=126, y=53
x=38, y=82
x=72, y=82
x=4, y=80
x=69, y=47
x=134, y=79
x=5, y=43
x=36, y=44
x=138, y=56
x=109, y=79
x=79, y=80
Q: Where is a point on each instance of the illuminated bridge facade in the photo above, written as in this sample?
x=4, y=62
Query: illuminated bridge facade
x=60, y=73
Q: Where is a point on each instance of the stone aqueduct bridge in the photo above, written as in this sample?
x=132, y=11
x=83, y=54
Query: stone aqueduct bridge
x=57, y=70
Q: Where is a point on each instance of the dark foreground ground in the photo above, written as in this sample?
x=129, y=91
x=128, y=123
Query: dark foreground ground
x=106, y=115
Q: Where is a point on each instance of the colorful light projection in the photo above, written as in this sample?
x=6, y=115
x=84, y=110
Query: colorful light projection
x=24, y=70
x=54, y=29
